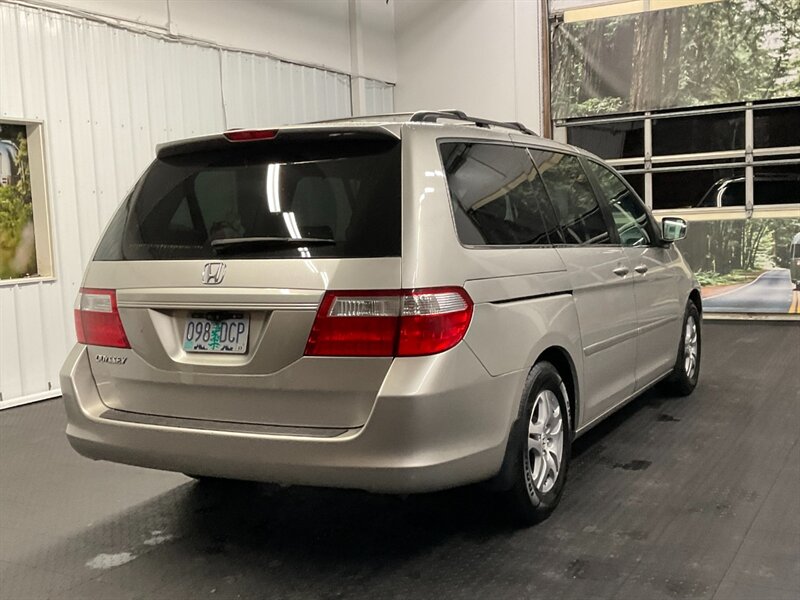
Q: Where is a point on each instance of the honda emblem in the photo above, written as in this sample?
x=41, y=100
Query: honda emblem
x=213, y=273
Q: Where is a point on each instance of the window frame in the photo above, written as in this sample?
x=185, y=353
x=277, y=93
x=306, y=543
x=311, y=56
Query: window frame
x=652, y=226
x=40, y=200
x=605, y=210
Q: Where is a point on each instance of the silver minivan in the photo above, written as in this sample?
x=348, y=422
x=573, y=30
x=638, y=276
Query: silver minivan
x=402, y=303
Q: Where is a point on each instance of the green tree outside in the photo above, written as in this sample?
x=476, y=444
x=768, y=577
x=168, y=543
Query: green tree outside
x=17, y=248
x=706, y=54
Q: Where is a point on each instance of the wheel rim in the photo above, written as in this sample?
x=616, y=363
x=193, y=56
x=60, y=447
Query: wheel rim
x=690, y=347
x=545, y=441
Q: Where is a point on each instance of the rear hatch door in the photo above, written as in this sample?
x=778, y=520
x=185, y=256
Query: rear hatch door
x=219, y=260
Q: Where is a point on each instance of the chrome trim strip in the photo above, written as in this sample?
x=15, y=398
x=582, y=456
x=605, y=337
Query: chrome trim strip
x=533, y=297
x=187, y=305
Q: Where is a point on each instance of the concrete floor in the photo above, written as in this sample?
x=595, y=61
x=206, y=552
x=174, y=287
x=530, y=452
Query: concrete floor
x=693, y=497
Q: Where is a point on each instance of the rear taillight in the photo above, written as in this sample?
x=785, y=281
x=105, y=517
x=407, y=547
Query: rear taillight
x=97, y=319
x=250, y=135
x=390, y=323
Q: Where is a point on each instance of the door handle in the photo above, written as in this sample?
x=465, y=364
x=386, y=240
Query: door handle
x=641, y=269
x=621, y=271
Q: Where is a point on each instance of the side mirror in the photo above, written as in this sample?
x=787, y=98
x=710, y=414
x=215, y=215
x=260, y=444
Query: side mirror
x=673, y=229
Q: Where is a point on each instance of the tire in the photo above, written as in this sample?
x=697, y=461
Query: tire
x=686, y=371
x=544, y=428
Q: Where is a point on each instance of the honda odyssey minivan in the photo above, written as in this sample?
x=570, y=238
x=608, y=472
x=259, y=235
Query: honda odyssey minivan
x=402, y=303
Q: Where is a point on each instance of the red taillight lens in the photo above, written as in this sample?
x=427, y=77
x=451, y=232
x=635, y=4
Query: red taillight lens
x=250, y=135
x=97, y=319
x=390, y=323
x=433, y=321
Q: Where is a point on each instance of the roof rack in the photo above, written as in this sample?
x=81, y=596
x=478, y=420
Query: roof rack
x=397, y=117
x=432, y=116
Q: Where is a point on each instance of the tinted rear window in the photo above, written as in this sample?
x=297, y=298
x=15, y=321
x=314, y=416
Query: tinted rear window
x=497, y=196
x=339, y=189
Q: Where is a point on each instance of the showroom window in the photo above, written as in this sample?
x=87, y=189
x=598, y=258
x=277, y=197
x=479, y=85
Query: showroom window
x=728, y=157
x=698, y=133
x=696, y=105
x=617, y=139
x=24, y=227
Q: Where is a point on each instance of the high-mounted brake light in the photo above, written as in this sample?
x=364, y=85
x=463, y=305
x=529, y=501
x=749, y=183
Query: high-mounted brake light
x=390, y=322
x=250, y=135
x=97, y=319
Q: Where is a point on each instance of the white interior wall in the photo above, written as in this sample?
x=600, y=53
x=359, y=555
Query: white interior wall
x=480, y=56
x=316, y=32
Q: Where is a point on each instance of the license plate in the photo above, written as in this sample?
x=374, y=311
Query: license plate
x=223, y=334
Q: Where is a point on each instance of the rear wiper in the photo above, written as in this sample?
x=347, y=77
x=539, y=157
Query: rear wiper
x=268, y=242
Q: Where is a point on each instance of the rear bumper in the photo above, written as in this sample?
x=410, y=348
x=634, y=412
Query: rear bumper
x=438, y=422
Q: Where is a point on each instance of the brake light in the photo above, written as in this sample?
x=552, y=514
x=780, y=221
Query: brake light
x=250, y=135
x=390, y=323
x=97, y=319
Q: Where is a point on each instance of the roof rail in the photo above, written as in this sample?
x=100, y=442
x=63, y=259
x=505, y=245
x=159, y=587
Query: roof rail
x=398, y=117
x=431, y=116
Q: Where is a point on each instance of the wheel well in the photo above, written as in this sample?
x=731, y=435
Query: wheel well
x=561, y=360
x=694, y=296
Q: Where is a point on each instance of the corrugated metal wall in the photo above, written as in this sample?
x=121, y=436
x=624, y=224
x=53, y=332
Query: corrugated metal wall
x=263, y=91
x=379, y=97
x=107, y=96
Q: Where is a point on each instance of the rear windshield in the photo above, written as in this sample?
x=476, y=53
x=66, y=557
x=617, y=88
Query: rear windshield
x=261, y=200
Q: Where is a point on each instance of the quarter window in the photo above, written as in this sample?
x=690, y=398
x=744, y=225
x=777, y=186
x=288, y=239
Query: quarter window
x=498, y=197
x=578, y=211
x=628, y=212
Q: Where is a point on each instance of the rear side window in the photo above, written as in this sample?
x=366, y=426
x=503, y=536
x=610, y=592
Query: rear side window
x=263, y=200
x=497, y=196
x=578, y=211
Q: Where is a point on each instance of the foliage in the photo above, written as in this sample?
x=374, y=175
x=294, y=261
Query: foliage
x=16, y=218
x=597, y=106
x=711, y=53
x=710, y=278
x=732, y=246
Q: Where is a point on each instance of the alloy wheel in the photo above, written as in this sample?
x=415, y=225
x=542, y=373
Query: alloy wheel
x=690, y=347
x=545, y=441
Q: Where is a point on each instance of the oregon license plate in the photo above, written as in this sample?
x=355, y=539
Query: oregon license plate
x=224, y=334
